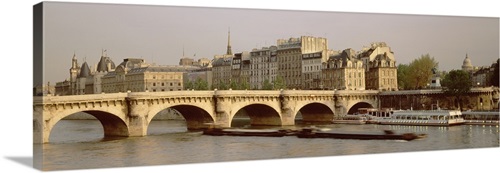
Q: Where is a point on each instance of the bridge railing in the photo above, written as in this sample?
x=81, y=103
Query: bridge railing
x=247, y=93
x=171, y=94
x=308, y=92
x=78, y=98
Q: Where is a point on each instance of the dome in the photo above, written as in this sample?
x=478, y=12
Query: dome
x=467, y=65
x=85, y=70
x=103, y=64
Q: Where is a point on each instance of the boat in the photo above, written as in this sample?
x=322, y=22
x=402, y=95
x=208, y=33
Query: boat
x=385, y=135
x=374, y=114
x=350, y=119
x=247, y=132
x=490, y=118
x=424, y=118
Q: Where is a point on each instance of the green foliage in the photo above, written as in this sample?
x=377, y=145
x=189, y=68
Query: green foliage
x=189, y=85
x=244, y=85
x=279, y=83
x=420, y=71
x=234, y=85
x=266, y=85
x=403, y=81
x=222, y=86
x=201, y=84
x=456, y=83
x=494, y=76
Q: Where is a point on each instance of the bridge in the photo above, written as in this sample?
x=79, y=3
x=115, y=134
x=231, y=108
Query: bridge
x=129, y=114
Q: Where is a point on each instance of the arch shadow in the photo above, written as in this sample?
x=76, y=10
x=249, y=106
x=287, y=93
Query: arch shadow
x=196, y=117
x=260, y=115
x=112, y=125
x=316, y=112
x=354, y=108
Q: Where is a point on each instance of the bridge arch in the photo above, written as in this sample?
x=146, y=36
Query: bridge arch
x=196, y=117
x=260, y=114
x=354, y=108
x=112, y=123
x=316, y=112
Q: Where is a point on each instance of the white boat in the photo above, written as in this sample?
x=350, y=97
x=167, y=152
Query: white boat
x=481, y=117
x=374, y=114
x=424, y=118
x=351, y=119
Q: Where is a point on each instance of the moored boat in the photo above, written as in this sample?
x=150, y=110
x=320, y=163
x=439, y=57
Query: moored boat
x=350, y=119
x=490, y=118
x=424, y=118
x=246, y=132
x=385, y=135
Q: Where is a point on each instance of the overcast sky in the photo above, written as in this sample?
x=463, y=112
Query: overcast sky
x=160, y=33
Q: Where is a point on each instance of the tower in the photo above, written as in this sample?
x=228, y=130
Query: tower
x=73, y=73
x=229, y=52
x=467, y=65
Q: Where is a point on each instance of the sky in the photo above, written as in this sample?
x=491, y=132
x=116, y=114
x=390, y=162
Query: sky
x=17, y=52
x=162, y=34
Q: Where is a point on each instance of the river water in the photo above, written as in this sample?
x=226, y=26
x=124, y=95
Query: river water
x=79, y=144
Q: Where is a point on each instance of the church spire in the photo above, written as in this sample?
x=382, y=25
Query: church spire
x=74, y=61
x=229, y=52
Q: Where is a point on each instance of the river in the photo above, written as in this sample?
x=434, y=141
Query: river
x=79, y=144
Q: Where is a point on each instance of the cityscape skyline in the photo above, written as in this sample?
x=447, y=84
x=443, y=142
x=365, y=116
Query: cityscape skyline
x=158, y=36
x=18, y=33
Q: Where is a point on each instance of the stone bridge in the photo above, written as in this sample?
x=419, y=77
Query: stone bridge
x=129, y=114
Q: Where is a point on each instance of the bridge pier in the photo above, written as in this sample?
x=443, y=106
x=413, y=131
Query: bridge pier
x=138, y=111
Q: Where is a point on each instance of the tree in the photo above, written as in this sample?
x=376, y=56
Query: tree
x=200, y=84
x=457, y=83
x=189, y=85
x=266, y=85
x=234, y=85
x=420, y=71
x=403, y=81
x=222, y=85
x=244, y=85
x=494, y=76
x=279, y=83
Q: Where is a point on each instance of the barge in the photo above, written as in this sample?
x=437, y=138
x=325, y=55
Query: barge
x=385, y=135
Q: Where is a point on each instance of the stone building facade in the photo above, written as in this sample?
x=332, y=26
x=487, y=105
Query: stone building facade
x=290, y=57
x=263, y=66
x=135, y=75
x=380, y=67
x=85, y=79
x=344, y=71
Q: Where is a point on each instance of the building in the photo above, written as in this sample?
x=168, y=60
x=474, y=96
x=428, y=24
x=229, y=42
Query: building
x=311, y=70
x=289, y=57
x=84, y=79
x=240, y=70
x=263, y=66
x=481, y=76
x=467, y=65
x=222, y=67
x=135, y=75
x=380, y=67
x=344, y=71
x=221, y=71
x=204, y=74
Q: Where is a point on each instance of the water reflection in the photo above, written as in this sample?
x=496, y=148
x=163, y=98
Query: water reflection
x=78, y=144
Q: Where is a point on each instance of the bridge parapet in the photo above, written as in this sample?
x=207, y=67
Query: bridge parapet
x=435, y=91
x=78, y=98
x=246, y=93
x=307, y=92
x=356, y=92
